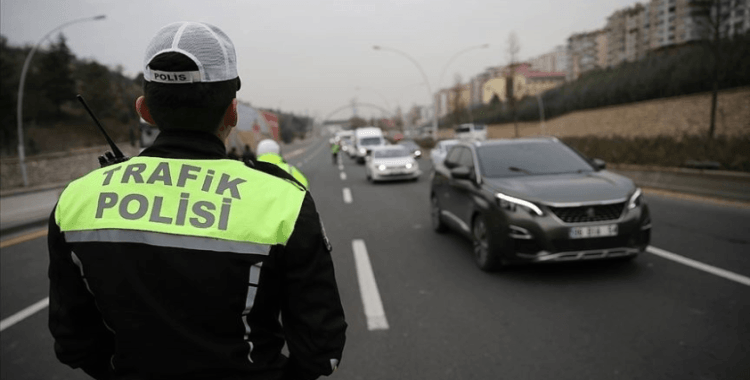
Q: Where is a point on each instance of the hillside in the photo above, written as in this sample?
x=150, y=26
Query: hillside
x=673, y=116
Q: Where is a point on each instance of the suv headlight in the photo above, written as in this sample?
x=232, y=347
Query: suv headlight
x=409, y=165
x=381, y=167
x=511, y=203
x=362, y=150
x=635, y=199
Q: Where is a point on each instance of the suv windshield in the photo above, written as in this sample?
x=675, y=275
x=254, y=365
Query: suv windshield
x=529, y=158
x=365, y=141
x=478, y=127
x=390, y=153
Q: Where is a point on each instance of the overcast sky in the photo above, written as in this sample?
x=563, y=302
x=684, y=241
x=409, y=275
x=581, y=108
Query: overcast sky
x=312, y=55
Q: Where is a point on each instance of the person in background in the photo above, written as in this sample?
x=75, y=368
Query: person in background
x=270, y=151
x=233, y=154
x=335, y=148
x=182, y=264
x=248, y=155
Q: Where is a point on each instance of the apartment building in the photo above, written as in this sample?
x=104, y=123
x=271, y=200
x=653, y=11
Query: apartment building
x=449, y=99
x=628, y=35
x=475, y=88
x=587, y=51
x=525, y=82
x=554, y=61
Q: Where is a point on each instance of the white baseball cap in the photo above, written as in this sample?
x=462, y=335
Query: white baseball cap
x=206, y=45
x=268, y=146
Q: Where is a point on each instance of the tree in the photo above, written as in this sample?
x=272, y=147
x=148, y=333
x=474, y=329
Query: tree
x=55, y=70
x=512, y=50
x=713, y=21
x=96, y=86
x=9, y=76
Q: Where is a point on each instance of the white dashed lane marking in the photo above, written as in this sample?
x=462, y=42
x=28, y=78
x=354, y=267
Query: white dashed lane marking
x=368, y=288
x=343, y=176
x=347, y=195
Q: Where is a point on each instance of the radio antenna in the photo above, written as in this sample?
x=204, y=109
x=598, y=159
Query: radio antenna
x=115, y=149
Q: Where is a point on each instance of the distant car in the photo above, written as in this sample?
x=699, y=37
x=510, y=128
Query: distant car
x=537, y=200
x=391, y=162
x=437, y=154
x=412, y=146
x=471, y=131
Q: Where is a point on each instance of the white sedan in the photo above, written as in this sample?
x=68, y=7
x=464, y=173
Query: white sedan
x=391, y=162
x=438, y=153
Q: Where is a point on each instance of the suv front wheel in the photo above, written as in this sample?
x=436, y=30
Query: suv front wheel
x=485, y=253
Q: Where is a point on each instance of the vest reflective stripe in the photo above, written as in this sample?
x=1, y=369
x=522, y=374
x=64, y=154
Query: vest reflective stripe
x=211, y=203
x=273, y=158
x=166, y=240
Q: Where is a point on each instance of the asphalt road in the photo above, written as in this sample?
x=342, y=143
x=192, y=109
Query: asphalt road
x=653, y=318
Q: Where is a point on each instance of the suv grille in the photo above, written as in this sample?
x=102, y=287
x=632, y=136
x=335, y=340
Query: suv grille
x=584, y=214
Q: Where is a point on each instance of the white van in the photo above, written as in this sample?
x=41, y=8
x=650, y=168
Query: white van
x=471, y=131
x=365, y=139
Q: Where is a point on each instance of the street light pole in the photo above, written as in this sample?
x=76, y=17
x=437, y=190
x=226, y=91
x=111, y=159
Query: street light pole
x=19, y=110
x=377, y=92
x=426, y=81
x=442, y=73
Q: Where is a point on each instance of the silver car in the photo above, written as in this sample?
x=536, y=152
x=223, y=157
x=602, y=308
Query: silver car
x=391, y=162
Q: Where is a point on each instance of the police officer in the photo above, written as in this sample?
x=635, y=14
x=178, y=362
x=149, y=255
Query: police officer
x=177, y=263
x=270, y=151
x=335, y=151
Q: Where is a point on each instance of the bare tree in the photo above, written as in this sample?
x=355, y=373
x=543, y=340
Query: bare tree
x=512, y=49
x=713, y=18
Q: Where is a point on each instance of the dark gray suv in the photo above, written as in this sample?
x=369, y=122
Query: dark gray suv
x=537, y=200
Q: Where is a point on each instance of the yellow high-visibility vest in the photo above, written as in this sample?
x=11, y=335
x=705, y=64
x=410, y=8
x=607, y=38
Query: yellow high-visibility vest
x=218, y=205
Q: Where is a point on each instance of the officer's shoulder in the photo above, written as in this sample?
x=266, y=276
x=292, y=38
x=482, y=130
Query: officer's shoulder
x=275, y=171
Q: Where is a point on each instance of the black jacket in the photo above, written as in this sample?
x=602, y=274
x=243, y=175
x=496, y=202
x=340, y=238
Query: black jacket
x=136, y=311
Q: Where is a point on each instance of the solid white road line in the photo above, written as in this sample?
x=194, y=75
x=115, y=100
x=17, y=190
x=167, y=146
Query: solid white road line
x=343, y=176
x=699, y=265
x=368, y=288
x=23, y=314
x=347, y=195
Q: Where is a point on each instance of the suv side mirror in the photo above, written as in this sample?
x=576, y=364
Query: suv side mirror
x=599, y=164
x=461, y=172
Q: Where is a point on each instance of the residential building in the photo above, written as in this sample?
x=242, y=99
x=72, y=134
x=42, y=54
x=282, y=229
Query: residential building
x=475, y=89
x=586, y=51
x=554, y=61
x=626, y=29
x=450, y=99
x=525, y=81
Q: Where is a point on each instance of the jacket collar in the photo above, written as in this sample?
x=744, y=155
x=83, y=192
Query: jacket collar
x=186, y=144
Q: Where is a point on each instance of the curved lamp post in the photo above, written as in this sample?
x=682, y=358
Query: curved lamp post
x=426, y=81
x=19, y=111
x=377, y=92
x=468, y=49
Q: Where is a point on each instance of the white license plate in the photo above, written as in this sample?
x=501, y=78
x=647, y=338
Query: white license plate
x=593, y=231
